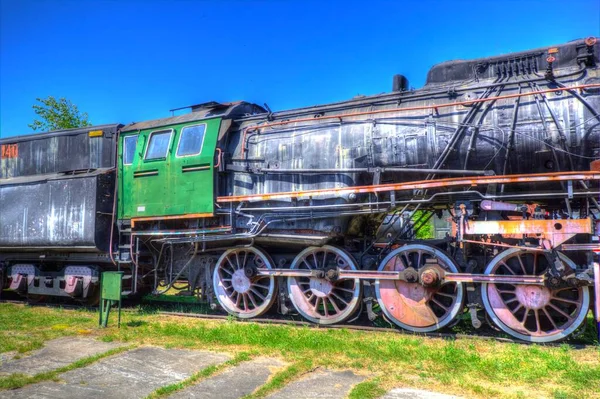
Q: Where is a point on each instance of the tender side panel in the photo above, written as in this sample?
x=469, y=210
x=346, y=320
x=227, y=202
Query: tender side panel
x=64, y=212
x=56, y=152
x=168, y=171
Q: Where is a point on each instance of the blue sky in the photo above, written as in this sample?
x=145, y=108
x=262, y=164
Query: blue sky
x=124, y=61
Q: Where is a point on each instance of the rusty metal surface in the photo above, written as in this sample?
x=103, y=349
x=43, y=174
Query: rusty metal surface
x=552, y=232
x=531, y=226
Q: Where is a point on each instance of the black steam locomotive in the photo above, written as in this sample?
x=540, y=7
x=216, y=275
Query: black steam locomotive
x=329, y=209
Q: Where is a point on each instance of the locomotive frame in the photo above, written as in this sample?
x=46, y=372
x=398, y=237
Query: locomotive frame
x=319, y=209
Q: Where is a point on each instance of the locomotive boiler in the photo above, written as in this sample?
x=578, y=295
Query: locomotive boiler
x=322, y=211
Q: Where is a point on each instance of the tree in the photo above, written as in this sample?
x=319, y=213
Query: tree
x=57, y=114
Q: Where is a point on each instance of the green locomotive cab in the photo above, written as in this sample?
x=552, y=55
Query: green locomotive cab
x=168, y=170
x=166, y=166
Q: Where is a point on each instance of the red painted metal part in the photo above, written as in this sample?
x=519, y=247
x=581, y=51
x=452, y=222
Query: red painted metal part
x=597, y=295
x=426, y=107
x=73, y=284
x=175, y=217
x=18, y=282
x=532, y=226
x=553, y=232
x=422, y=184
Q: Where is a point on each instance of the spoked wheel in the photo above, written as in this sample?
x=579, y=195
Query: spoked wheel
x=533, y=313
x=320, y=300
x=411, y=305
x=240, y=295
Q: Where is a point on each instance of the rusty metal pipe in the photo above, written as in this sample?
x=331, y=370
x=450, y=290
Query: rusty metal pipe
x=422, y=201
x=422, y=184
x=373, y=170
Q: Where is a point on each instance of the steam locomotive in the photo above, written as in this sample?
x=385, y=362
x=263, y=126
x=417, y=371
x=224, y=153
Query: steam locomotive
x=326, y=211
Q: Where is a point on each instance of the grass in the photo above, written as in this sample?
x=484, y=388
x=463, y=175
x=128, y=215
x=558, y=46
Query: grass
x=468, y=367
x=24, y=328
x=368, y=389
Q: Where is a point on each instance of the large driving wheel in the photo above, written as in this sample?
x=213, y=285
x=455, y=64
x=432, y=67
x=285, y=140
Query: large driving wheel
x=533, y=313
x=411, y=305
x=239, y=294
x=320, y=300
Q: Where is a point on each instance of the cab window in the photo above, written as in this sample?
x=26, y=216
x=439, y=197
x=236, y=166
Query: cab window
x=129, y=144
x=190, y=140
x=158, y=145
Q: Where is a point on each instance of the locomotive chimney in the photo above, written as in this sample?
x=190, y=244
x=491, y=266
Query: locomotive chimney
x=399, y=83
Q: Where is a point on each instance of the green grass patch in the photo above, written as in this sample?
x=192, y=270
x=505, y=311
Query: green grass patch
x=368, y=389
x=469, y=367
x=25, y=328
x=18, y=380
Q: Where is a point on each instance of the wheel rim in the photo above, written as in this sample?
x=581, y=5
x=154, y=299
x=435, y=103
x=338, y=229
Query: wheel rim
x=411, y=305
x=531, y=312
x=320, y=300
x=238, y=294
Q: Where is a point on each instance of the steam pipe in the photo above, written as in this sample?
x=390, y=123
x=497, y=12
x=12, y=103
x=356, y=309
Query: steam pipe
x=373, y=170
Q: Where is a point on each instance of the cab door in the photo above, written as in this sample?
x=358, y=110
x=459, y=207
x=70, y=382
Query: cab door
x=192, y=167
x=152, y=186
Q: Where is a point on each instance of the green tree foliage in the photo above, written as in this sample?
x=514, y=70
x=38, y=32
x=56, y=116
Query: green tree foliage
x=427, y=231
x=57, y=114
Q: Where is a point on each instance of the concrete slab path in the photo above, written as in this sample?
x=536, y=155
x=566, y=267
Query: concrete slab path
x=55, y=354
x=323, y=384
x=234, y=382
x=133, y=374
x=139, y=372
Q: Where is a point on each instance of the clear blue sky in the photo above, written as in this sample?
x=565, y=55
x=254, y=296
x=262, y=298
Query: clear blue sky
x=124, y=61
